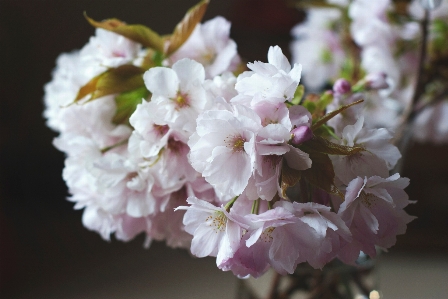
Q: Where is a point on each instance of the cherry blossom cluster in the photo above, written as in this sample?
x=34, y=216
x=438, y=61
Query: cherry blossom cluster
x=352, y=38
x=238, y=165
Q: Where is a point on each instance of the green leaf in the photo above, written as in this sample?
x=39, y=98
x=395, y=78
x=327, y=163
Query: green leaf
x=326, y=56
x=332, y=114
x=326, y=131
x=325, y=99
x=115, y=80
x=321, y=174
x=138, y=33
x=311, y=104
x=184, y=29
x=324, y=146
x=289, y=177
x=158, y=58
x=298, y=95
x=127, y=103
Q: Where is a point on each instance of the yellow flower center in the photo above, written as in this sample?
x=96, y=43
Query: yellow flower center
x=217, y=221
x=236, y=143
x=266, y=235
x=208, y=57
x=368, y=200
x=182, y=101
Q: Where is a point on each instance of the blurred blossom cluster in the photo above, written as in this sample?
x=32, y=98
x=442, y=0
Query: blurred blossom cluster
x=395, y=43
x=174, y=137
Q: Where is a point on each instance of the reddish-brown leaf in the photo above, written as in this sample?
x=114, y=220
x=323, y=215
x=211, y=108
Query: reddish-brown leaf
x=184, y=29
x=138, y=33
x=322, y=145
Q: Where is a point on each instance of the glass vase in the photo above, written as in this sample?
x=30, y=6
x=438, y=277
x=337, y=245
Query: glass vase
x=335, y=281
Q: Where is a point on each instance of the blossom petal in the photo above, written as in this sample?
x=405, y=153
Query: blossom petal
x=161, y=81
x=297, y=159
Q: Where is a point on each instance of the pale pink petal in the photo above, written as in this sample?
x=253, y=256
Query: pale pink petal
x=162, y=81
x=298, y=159
x=276, y=58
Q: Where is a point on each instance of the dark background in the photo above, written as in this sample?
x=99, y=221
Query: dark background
x=42, y=241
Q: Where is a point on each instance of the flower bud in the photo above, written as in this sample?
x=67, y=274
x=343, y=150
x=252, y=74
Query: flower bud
x=430, y=4
x=341, y=86
x=376, y=81
x=301, y=134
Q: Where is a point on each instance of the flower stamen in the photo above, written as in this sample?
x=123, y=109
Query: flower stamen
x=161, y=129
x=266, y=235
x=368, y=200
x=236, y=143
x=217, y=221
x=182, y=101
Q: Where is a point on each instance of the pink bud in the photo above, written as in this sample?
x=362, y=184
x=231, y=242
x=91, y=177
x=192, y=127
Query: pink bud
x=301, y=134
x=341, y=86
x=376, y=81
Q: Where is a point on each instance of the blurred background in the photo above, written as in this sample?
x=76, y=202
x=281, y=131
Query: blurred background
x=44, y=250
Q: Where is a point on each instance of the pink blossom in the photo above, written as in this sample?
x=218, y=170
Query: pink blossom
x=272, y=146
x=151, y=131
x=275, y=81
x=210, y=45
x=223, y=148
x=330, y=228
x=109, y=49
x=214, y=233
x=178, y=94
x=261, y=247
x=318, y=48
x=373, y=210
x=221, y=86
x=379, y=155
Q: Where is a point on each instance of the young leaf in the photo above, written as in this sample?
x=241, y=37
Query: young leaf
x=87, y=89
x=289, y=177
x=325, y=99
x=127, y=103
x=138, y=33
x=324, y=146
x=332, y=114
x=325, y=131
x=298, y=95
x=184, y=29
x=321, y=174
x=310, y=103
x=115, y=80
x=316, y=104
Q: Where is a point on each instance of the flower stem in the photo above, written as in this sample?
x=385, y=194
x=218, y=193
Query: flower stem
x=420, y=86
x=255, y=206
x=230, y=203
x=409, y=112
x=108, y=148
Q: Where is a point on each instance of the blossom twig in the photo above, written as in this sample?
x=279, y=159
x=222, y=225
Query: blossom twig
x=409, y=114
